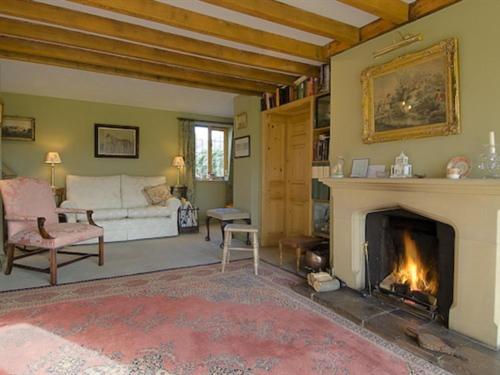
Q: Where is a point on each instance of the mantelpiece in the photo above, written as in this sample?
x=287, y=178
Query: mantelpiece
x=470, y=206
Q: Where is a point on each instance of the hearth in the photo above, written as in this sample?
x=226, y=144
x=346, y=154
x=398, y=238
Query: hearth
x=411, y=258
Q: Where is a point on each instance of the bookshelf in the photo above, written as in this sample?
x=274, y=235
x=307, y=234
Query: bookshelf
x=321, y=167
x=302, y=88
x=296, y=148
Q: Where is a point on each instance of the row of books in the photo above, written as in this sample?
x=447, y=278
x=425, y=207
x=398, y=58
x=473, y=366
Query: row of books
x=301, y=88
x=319, y=190
x=321, y=148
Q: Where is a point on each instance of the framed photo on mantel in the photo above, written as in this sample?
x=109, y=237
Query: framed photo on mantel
x=116, y=141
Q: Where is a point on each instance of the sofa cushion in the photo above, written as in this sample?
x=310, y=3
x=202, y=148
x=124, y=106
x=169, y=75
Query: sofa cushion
x=149, y=211
x=157, y=194
x=133, y=189
x=105, y=214
x=94, y=192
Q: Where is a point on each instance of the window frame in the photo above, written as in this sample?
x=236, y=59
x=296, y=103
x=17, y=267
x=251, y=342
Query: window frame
x=211, y=128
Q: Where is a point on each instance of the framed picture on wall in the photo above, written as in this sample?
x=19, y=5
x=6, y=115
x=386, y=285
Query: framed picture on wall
x=241, y=120
x=412, y=96
x=15, y=128
x=242, y=147
x=116, y=141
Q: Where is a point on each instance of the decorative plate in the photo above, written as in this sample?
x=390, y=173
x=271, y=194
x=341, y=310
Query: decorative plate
x=462, y=163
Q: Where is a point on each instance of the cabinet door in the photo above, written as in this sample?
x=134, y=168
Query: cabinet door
x=273, y=189
x=298, y=175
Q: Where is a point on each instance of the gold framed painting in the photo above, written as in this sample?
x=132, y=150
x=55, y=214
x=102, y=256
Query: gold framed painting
x=413, y=96
x=16, y=128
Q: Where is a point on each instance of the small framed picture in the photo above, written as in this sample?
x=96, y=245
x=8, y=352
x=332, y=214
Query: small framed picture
x=116, y=141
x=16, y=128
x=242, y=147
x=360, y=168
x=377, y=171
x=241, y=120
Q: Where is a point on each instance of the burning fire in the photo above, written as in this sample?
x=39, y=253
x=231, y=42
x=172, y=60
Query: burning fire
x=412, y=271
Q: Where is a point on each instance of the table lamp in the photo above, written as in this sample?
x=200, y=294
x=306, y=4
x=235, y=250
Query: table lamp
x=178, y=163
x=53, y=158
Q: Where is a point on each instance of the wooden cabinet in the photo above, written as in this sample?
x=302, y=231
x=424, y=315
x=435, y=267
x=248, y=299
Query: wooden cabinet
x=287, y=157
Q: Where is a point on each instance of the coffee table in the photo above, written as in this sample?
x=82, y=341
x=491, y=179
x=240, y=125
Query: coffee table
x=226, y=216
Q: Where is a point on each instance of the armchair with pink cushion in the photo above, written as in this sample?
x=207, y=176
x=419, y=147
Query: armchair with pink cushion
x=33, y=226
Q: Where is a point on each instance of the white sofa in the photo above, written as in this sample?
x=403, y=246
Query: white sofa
x=120, y=206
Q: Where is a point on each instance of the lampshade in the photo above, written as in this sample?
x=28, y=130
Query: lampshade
x=178, y=162
x=53, y=158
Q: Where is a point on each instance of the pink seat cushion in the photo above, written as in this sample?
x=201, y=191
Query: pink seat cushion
x=25, y=196
x=64, y=234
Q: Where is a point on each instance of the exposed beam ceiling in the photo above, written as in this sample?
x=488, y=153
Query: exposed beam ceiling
x=243, y=46
x=70, y=38
x=178, y=17
x=175, y=75
x=417, y=9
x=293, y=17
x=117, y=29
x=111, y=71
x=395, y=11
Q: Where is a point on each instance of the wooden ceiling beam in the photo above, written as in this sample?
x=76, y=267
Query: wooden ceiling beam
x=422, y=8
x=417, y=9
x=395, y=11
x=70, y=38
x=113, y=71
x=185, y=19
x=52, y=51
x=50, y=14
x=297, y=18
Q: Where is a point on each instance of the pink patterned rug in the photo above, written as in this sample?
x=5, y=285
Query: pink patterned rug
x=188, y=321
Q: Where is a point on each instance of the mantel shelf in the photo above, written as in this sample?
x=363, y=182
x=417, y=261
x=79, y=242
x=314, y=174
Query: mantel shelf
x=475, y=186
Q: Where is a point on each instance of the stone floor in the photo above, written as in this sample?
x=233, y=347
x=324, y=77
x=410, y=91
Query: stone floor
x=390, y=320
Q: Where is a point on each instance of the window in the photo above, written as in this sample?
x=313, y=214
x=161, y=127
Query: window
x=211, y=152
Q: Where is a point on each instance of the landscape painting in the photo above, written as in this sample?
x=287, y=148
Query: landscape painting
x=116, y=141
x=413, y=96
x=16, y=128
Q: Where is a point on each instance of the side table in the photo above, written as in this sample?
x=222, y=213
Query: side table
x=179, y=191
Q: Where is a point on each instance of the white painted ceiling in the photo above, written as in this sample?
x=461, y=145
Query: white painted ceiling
x=53, y=81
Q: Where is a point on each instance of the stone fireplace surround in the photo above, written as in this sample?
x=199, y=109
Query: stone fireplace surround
x=470, y=206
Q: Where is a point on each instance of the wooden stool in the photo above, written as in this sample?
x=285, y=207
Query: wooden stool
x=300, y=243
x=229, y=229
x=226, y=216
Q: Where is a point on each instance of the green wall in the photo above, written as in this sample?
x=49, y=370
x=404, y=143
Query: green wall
x=67, y=126
x=475, y=24
x=247, y=171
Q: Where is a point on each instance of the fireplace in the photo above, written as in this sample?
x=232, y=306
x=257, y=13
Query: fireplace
x=470, y=206
x=411, y=258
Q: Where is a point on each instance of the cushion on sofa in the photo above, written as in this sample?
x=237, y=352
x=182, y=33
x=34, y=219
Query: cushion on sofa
x=105, y=214
x=149, y=211
x=133, y=189
x=157, y=194
x=92, y=192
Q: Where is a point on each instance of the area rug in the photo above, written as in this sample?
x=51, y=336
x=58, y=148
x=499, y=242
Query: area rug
x=189, y=321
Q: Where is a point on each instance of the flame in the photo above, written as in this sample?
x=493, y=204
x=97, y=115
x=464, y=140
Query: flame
x=412, y=271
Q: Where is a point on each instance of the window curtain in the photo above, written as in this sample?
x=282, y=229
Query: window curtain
x=229, y=184
x=187, y=150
